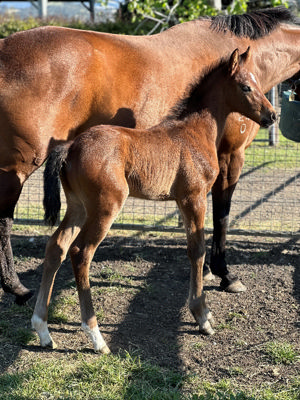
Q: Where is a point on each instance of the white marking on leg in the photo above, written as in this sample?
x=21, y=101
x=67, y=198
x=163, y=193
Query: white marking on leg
x=205, y=326
x=95, y=335
x=42, y=330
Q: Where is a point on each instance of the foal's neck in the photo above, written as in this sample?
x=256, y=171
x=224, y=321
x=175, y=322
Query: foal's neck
x=208, y=105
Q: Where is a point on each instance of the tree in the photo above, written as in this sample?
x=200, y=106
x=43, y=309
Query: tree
x=158, y=15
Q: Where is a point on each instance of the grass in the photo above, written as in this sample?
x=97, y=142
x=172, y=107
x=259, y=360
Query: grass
x=230, y=321
x=20, y=335
x=283, y=155
x=108, y=378
x=123, y=377
x=280, y=353
x=60, y=308
x=36, y=374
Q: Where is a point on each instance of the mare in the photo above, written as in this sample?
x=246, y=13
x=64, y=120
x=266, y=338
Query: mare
x=175, y=160
x=57, y=82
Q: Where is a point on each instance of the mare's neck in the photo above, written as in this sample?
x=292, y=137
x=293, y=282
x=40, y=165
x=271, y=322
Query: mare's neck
x=277, y=56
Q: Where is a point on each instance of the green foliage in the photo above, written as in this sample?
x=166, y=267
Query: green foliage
x=164, y=14
x=189, y=10
x=122, y=377
x=280, y=353
x=105, y=378
x=169, y=12
x=10, y=25
x=135, y=17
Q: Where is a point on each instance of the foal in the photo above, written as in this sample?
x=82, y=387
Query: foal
x=173, y=160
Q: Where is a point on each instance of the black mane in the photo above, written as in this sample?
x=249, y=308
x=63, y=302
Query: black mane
x=253, y=25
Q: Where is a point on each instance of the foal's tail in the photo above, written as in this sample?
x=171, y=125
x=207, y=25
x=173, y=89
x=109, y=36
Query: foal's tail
x=51, y=199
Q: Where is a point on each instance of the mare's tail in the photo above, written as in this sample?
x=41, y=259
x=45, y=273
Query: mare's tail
x=51, y=199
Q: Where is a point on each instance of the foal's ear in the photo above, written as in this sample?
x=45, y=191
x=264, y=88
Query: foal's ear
x=246, y=56
x=234, y=62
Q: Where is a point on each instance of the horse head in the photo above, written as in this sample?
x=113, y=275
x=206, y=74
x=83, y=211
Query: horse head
x=245, y=93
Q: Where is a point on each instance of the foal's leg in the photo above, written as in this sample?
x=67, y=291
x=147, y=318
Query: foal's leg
x=222, y=191
x=100, y=216
x=193, y=211
x=56, y=251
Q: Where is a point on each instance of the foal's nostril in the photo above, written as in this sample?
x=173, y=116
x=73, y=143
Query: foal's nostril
x=268, y=119
x=273, y=117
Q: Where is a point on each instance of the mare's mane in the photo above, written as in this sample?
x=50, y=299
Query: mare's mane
x=253, y=25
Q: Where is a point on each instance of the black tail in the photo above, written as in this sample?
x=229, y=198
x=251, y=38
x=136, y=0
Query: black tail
x=53, y=166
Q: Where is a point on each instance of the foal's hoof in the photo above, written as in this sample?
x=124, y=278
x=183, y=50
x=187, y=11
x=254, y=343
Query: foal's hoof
x=206, y=329
x=233, y=287
x=21, y=299
x=207, y=275
x=50, y=345
x=104, y=350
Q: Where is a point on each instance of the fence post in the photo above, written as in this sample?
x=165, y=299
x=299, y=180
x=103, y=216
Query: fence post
x=43, y=8
x=274, y=130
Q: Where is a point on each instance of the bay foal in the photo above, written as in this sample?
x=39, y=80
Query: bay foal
x=175, y=160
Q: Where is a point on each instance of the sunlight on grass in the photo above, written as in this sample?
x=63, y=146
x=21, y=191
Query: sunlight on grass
x=124, y=377
x=283, y=155
x=280, y=353
x=61, y=307
x=106, y=378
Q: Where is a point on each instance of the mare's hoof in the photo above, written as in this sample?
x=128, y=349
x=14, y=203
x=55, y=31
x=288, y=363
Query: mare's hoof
x=234, y=287
x=21, y=299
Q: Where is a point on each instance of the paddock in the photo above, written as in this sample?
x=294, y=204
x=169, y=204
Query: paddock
x=140, y=283
x=143, y=316
x=265, y=202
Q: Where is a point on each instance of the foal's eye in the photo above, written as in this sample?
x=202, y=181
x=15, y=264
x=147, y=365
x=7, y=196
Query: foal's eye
x=246, y=88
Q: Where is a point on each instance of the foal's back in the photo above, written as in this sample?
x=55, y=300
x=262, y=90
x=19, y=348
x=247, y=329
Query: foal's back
x=146, y=163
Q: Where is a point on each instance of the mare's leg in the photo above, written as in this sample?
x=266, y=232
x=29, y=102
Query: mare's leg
x=56, y=251
x=101, y=213
x=193, y=211
x=222, y=191
x=10, y=189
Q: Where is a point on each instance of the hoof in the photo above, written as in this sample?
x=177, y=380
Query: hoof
x=206, y=329
x=51, y=345
x=22, y=299
x=234, y=287
x=104, y=350
x=212, y=321
x=208, y=277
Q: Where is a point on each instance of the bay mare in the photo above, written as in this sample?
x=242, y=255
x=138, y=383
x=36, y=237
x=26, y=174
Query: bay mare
x=57, y=82
x=175, y=160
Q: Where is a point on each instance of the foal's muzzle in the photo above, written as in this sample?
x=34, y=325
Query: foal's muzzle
x=268, y=120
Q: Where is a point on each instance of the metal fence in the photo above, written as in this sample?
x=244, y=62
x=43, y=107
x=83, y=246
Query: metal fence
x=266, y=200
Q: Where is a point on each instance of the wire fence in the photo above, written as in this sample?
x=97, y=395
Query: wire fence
x=266, y=199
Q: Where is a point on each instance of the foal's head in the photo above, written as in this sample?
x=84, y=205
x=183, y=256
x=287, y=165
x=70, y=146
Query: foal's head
x=243, y=93
x=229, y=86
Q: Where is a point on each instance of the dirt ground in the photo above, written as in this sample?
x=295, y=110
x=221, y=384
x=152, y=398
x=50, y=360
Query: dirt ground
x=140, y=287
